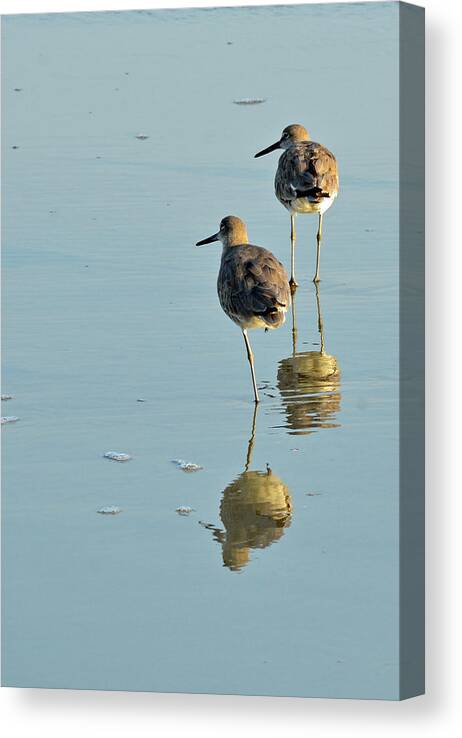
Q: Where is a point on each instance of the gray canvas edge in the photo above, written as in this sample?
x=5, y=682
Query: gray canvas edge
x=412, y=351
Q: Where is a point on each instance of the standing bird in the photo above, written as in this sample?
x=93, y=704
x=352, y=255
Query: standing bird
x=252, y=284
x=306, y=182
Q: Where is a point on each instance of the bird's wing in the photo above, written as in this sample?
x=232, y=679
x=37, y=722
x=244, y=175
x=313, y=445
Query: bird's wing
x=308, y=170
x=260, y=283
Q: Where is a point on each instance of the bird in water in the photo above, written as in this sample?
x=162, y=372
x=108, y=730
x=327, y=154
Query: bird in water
x=252, y=285
x=306, y=182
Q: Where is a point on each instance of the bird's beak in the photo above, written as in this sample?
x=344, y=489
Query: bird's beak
x=210, y=239
x=271, y=148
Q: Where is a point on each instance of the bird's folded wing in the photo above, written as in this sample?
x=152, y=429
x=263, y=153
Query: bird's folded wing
x=311, y=172
x=261, y=283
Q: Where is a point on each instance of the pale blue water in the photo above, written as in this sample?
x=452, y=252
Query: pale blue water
x=107, y=301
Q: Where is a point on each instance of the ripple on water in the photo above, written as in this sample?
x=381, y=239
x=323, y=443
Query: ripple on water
x=250, y=101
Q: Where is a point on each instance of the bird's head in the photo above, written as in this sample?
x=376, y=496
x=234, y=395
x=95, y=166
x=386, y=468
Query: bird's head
x=233, y=232
x=291, y=135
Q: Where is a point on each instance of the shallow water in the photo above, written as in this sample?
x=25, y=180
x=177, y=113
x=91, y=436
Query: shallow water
x=283, y=580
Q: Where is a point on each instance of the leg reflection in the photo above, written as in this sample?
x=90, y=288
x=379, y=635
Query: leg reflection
x=255, y=509
x=309, y=382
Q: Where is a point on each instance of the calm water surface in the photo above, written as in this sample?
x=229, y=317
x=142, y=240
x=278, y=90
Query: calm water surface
x=283, y=579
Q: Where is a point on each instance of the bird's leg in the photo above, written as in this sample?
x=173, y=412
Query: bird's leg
x=252, y=368
x=318, y=248
x=293, y=284
x=320, y=320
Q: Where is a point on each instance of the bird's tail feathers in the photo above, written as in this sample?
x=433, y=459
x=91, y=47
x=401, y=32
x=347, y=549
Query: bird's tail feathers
x=274, y=315
x=314, y=193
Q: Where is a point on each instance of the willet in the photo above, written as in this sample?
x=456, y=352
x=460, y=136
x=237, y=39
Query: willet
x=252, y=284
x=306, y=182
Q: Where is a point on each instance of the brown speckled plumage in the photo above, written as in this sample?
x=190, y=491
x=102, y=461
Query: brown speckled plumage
x=306, y=170
x=252, y=284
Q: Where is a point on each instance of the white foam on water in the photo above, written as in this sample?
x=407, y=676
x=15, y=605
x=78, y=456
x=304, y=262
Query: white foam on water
x=187, y=466
x=184, y=510
x=117, y=456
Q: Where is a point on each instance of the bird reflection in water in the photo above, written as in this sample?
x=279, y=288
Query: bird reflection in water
x=255, y=509
x=309, y=383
